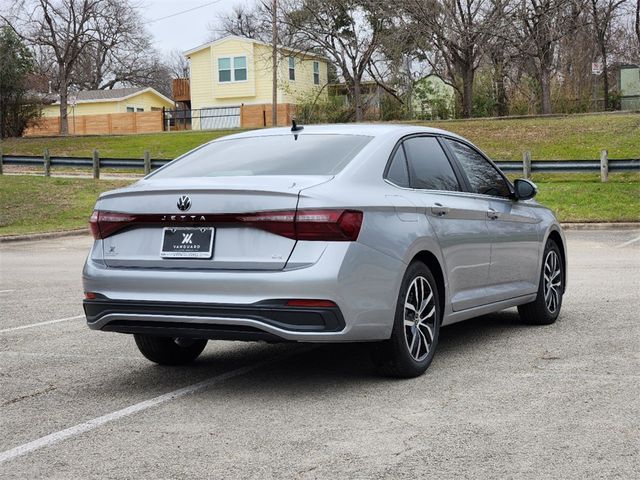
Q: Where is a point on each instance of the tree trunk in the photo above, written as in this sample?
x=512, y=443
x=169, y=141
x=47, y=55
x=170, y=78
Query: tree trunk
x=64, y=124
x=638, y=21
x=605, y=80
x=467, y=92
x=500, y=89
x=274, y=65
x=545, y=91
x=357, y=100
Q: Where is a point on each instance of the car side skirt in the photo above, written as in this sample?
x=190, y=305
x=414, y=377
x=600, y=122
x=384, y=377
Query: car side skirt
x=455, y=317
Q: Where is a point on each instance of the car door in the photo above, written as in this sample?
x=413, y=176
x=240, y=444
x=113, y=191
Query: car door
x=513, y=226
x=420, y=165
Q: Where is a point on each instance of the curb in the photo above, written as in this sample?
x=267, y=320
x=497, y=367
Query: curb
x=85, y=231
x=601, y=226
x=44, y=236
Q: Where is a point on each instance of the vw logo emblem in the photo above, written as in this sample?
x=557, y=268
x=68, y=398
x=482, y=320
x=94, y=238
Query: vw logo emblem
x=184, y=203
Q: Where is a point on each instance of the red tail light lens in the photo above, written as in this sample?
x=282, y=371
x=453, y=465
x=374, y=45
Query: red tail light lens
x=280, y=223
x=104, y=224
x=93, y=224
x=327, y=225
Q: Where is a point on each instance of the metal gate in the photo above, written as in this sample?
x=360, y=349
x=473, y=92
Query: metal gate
x=212, y=118
x=218, y=118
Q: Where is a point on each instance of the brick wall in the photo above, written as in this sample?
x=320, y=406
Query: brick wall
x=103, y=124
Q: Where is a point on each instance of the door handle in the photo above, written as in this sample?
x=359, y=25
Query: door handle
x=439, y=210
x=492, y=214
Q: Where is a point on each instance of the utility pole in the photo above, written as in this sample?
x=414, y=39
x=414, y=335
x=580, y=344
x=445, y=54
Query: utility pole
x=274, y=63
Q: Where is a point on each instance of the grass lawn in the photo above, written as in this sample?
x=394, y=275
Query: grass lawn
x=578, y=137
x=160, y=145
x=31, y=204
x=583, y=198
x=37, y=204
x=558, y=138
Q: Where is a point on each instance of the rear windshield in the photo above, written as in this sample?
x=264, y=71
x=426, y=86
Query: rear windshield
x=309, y=154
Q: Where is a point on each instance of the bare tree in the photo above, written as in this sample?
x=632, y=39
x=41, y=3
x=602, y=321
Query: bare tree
x=637, y=22
x=603, y=14
x=120, y=52
x=244, y=21
x=89, y=44
x=347, y=31
x=177, y=64
x=544, y=23
x=65, y=29
x=500, y=53
x=454, y=34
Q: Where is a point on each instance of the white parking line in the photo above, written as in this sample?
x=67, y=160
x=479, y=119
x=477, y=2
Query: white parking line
x=48, y=322
x=626, y=244
x=61, y=435
x=6, y=291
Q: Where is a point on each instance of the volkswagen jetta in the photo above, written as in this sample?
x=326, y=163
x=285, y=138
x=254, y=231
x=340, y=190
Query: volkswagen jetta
x=344, y=233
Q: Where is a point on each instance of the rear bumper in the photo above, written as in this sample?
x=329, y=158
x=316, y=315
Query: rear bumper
x=362, y=282
x=269, y=321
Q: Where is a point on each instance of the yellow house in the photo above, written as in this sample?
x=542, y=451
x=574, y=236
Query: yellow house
x=117, y=100
x=236, y=71
x=106, y=112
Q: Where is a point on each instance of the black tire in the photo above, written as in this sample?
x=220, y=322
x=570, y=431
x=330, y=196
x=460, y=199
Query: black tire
x=393, y=357
x=169, y=351
x=543, y=311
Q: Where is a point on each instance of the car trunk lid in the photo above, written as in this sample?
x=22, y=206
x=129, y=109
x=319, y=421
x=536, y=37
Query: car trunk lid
x=221, y=203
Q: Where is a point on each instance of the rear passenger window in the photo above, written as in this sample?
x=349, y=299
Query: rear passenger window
x=398, y=173
x=429, y=167
x=483, y=177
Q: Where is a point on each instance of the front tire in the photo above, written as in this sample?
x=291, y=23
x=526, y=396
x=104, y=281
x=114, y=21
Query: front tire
x=544, y=310
x=416, y=328
x=168, y=350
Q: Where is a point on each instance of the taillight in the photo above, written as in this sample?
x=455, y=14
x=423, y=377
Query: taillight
x=93, y=224
x=327, y=225
x=280, y=223
x=104, y=224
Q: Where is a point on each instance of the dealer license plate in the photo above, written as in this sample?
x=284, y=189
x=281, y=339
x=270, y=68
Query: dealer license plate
x=187, y=242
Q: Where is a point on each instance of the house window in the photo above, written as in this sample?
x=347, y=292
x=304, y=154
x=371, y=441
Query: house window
x=316, y=73
x=139, y=109
x=224, y=69
x=239, y=68
x=292, y=68
x=228, y=74
x=130, y=109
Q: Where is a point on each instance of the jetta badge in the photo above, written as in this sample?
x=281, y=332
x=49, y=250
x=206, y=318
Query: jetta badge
x=184, y=203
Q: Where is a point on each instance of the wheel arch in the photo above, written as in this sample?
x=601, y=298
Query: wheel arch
x=431, y=261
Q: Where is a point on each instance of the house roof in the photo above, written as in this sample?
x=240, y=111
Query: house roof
x=251, y=40
x=93, y=96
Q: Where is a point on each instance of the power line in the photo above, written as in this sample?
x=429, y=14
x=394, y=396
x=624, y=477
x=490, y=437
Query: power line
x=183, y=11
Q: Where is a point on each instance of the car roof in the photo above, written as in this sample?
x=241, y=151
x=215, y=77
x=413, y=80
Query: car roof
x=369, y=129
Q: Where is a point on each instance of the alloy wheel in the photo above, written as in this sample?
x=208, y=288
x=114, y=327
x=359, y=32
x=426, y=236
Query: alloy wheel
x=419, y=318
x=552, y=281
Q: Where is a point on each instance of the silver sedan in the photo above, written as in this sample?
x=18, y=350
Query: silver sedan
x=342, y=233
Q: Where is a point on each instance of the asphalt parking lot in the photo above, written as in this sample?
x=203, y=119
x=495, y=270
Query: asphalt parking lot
x=501, y=399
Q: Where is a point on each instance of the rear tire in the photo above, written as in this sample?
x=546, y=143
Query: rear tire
x=416, y=328
x=168, y=350
x=544, y=310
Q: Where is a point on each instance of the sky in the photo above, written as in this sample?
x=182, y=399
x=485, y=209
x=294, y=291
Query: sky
x=182, y=31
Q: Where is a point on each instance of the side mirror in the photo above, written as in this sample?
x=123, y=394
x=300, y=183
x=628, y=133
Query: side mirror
x=524, y=189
